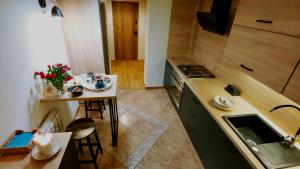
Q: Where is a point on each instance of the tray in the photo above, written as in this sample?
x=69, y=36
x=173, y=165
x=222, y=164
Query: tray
x=18, y=142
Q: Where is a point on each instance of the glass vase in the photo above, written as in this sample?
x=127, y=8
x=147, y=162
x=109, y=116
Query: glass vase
x=59, y=85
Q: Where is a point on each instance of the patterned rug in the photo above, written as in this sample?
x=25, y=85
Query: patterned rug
x=136, y=137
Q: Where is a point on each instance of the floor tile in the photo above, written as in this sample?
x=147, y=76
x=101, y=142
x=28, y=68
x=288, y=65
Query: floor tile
x=171, y=149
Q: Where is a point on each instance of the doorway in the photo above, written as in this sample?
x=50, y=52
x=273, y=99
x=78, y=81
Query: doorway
x=128, y=61
x=125, y=21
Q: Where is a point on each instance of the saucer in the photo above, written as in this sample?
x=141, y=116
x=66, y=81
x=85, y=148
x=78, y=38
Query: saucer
x=38, y=155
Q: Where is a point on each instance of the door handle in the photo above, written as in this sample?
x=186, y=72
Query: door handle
x=246, y=68
x=264, y=21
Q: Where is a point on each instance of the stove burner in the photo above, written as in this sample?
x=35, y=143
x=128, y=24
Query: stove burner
x=195, y=71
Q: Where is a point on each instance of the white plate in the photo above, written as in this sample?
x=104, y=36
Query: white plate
x=38, y=155
x=91, y=85
x=217, y=103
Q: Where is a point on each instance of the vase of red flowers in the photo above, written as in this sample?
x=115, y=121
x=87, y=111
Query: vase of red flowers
x=57, y=75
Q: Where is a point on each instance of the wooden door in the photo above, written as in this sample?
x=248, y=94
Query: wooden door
x=125, y=21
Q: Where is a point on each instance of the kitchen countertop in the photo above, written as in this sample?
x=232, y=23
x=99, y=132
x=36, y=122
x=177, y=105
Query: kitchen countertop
x=106, y=94
x=205, y=90
x=25, y=161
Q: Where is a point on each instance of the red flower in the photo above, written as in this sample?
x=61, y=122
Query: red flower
x=48, y=76
x=42, y=74
x=68, y=78
x=59, y=65
x=63, y=70
x=67, y=67
x=36, y=73
x=49, y=67
x=53, y=75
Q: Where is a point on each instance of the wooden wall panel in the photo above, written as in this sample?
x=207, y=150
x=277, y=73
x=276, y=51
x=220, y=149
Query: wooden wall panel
x=183, y=18
x=209, y=47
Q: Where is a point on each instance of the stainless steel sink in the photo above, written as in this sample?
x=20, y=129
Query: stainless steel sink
x=264, y=141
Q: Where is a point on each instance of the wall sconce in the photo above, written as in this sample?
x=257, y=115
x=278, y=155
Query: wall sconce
x=55, y=11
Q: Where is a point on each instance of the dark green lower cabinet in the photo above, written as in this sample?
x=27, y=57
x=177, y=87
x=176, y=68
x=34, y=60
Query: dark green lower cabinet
x=196, y=120
x=220, y=152
x=215, y=150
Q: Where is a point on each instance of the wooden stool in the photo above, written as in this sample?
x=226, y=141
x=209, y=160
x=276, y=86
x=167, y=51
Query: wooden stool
x=82, y=129
x=89, y=106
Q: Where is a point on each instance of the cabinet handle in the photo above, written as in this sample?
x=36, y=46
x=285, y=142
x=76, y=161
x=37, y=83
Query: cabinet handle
x=264, y=21
x=247, y=68
x=229, y=146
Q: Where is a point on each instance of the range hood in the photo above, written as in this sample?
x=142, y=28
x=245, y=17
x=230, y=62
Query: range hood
x=216, y=20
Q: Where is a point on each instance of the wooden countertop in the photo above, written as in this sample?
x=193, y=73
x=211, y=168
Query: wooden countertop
x=206, y=90
x=106, y=94
x=25, y=161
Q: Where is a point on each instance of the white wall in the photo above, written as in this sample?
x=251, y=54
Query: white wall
x=29, y=40
x=157, y=32
x=82, y=33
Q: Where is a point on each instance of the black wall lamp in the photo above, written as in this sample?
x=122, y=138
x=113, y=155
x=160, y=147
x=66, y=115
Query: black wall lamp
x=55, y=11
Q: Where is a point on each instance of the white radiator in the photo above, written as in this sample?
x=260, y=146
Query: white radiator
x=52, y=123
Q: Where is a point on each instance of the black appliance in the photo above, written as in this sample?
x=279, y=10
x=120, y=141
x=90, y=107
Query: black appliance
x=216, y=20
x=175, y=88
x=195, y=71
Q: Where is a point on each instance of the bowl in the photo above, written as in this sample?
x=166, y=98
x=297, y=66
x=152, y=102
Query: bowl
x=76, y=90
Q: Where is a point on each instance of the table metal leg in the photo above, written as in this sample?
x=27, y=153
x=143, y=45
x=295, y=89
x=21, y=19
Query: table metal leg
x=86, y=108
x=113, y=109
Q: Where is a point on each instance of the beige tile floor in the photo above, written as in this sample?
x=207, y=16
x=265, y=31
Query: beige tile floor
x=172, y=150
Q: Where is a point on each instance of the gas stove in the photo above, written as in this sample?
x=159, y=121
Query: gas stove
x=195, y=71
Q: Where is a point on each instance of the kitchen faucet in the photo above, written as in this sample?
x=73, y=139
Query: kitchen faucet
x=290, y=139
x=285, y=105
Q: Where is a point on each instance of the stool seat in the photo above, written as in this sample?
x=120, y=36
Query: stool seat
x=81, y=128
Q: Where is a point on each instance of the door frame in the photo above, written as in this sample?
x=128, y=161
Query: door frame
x=141, y=31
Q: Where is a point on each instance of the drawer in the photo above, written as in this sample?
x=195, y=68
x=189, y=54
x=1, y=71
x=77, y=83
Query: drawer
x=268, y=57
x=284, y=15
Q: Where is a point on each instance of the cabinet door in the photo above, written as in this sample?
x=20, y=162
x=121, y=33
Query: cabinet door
x=196, y=120
x=271, y=15
x=268, y=57
x=70, y=159
x=292, y=89
x=221, y=153
x=168, y=72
